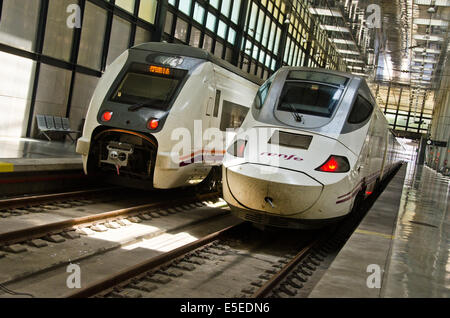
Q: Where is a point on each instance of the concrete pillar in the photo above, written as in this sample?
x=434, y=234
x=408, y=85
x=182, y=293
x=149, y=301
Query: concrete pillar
x=421, y=150
x=440, y=125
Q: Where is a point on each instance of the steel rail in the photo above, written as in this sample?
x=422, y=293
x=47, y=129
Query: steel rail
x=148, y=265
x=39, y=231
x=40, y=199
x=278, y=277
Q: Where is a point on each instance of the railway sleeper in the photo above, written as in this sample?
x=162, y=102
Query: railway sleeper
x=299, y=277
x=172, y=211
x=171, y=272
x=265, y=276
x=158, y=278
x=249, y=290
x=304, y=271
x=113, y=225
x=99, y=228
x=288, y=289
x=184, y=266
x=127, y=293
x=72, y=235
x=145, y=217
x=134, y=219
x=163, y=213
x=194, y=260
x=294, y=282
x=308, y=266
x=39, y=243
x=15, y=248
x=257, y=283
x=54, y=238
x=143, y=286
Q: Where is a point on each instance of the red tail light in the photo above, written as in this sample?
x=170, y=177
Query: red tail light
x=241, y=150
x=237, y=148
x=153, y=124
x=107, y=116
x=335, y=164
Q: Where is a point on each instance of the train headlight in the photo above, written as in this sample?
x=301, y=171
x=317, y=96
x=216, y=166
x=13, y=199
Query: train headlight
x=335, y=164
x=237, y=148
x=107, y=116
x=153, y=124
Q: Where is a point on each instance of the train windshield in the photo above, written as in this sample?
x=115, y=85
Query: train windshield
x=313, y=98
x=149, y=86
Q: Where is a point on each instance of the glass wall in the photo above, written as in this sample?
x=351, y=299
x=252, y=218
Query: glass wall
x=56, y=66
x=51, y=68
x=403, y=112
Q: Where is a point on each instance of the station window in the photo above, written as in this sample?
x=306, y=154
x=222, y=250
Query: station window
x=128, y=5
x=181, y=29
x=58, y=37
x=211, y=22
x=225, y=9
x=19, y=17
x=235, y=12
x=147, y=10
x=185, y=6
x=92, y=36
x=199, y=13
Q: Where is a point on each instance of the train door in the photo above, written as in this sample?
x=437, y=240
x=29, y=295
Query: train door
x=213, y=137
x=208, y=115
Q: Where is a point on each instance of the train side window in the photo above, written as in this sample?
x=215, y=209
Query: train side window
x=217, y=103
x=232, y=115
x=262, y=93
x=361, y=111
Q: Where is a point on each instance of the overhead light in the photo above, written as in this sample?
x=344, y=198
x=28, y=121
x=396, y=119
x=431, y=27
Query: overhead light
x=287, y=21
x=431, y=10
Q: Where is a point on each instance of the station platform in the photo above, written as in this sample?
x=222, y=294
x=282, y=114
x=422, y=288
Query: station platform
x=36, y=166
x=30, y=155
x=403, y=239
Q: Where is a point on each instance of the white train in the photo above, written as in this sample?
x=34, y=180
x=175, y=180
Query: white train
x=149, y=94
x=313, y=144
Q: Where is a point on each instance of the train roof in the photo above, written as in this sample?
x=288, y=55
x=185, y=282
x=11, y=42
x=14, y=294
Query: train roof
x=321, y=70
x=185, y=50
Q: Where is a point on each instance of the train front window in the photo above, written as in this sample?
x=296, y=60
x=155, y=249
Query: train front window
x=309, y=98
x=149, y=86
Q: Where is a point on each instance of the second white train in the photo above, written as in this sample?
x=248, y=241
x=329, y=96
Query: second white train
x=313, y=143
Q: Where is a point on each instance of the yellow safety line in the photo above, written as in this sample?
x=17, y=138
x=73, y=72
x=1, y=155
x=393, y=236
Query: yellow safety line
x=391, y=237
x=6, y=167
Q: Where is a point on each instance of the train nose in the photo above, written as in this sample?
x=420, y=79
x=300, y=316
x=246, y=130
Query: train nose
x=272, y=189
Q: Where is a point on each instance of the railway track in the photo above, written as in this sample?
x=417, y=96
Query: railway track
x=207, y=256
x=73, y=224
x=217, y=259
x=18, y=206
x=32, y=250
x=212, y=267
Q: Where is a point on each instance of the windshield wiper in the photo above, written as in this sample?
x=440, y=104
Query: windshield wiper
x=295, y=113
x=137, y=106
